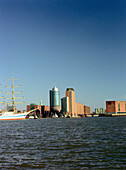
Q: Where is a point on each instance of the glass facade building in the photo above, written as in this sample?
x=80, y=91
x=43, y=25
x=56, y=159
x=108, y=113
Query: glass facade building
x=65, y=105
x=54, y=99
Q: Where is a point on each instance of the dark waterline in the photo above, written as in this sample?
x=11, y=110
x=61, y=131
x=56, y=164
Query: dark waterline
x=82, y=143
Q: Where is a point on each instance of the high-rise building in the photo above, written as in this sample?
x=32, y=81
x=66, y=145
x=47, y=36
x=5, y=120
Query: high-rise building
x=65, y=105
x=71, y=94
x=75, y=109
x=55, y=100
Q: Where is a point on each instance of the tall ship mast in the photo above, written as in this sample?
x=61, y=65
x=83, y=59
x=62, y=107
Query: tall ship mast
x=13, y=94
x=6, y=115
x=1, y=97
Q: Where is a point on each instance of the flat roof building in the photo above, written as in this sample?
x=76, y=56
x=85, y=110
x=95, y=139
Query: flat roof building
x=71, y=95
x=65, y=105
x=75, y=109
x=87, y=110
x=115, y=106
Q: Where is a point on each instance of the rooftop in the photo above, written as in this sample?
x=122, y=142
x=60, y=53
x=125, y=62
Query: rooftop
x=55, y=89
x=69, y=89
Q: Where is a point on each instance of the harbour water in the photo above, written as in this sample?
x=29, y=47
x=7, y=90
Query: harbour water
x=75, y=143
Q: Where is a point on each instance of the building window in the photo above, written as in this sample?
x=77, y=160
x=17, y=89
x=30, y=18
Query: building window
x=109, y=103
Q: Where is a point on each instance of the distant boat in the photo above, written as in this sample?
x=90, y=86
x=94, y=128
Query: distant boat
x=13, y=116
x=17, y=116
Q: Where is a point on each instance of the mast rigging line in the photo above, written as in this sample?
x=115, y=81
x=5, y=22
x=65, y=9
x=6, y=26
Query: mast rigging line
x=13, y=93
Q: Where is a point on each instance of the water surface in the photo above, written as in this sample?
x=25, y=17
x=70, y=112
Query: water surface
x=77, y=143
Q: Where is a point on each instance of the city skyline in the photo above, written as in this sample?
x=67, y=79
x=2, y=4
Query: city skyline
x=78, y=44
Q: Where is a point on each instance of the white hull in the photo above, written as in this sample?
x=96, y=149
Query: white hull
x=12, y=116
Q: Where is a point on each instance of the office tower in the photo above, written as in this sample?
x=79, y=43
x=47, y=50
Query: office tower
x=65, y=105
x=71, y=94
x=55, y=100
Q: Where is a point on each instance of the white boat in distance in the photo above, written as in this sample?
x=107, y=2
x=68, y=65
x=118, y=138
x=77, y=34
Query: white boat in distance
x=17, y=116
x=13, y=116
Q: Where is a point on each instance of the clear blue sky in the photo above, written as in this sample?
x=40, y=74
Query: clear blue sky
x=70, y=43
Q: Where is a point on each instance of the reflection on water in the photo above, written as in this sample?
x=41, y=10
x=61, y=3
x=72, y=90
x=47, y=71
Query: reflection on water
x=82, y=143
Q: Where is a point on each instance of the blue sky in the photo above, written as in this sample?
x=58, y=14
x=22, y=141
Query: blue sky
x=70, y=43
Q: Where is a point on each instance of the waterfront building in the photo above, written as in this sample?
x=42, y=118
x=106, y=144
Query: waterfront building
x=79, y=109
x=115, y=106
x=102, y=110
x=42, y=110
x=55, y=100
x=97, y=111
x=87, y=110
x=71, y=94
x=28, y=108
x=38, y=112
x=65, y=105
x=45, y=111
x=75, y=109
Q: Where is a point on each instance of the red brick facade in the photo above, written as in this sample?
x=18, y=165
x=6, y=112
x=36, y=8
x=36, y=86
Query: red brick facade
x=46, y=111
x=87, y=110
x=28, y=108
x=79, y=109
x=115, y=106
x=39, y=108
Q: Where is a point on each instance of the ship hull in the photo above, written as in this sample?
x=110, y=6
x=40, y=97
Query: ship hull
x=12, y=116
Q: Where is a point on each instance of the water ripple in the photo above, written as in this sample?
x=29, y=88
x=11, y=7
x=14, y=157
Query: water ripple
x=85, y=143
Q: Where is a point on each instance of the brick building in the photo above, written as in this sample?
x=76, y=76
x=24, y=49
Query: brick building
x=45, y=111
x=28, y=108
x=87, y=110
x=115, y=106
x=42, y=110
x=79, y=109
x=75, y=109
x=71, y=95
x=38, y=112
